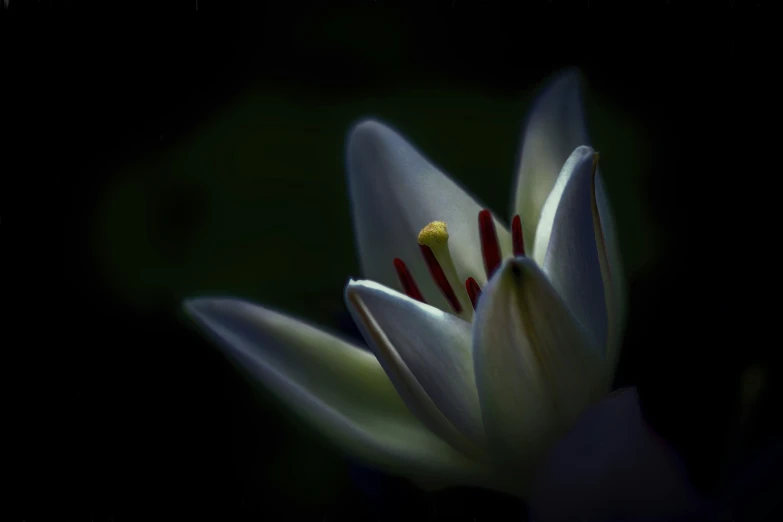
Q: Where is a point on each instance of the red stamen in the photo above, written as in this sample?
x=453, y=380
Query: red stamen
x=440, y=277
x=489, y=242
x=516, y=236
x=474, y=291
x=406, y=279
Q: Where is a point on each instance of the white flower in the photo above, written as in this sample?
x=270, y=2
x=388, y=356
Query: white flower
x=450, y=395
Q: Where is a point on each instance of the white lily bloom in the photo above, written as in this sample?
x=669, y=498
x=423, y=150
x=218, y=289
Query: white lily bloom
x=454, y=395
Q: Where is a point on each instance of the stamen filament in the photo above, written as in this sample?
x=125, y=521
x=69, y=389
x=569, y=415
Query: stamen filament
x=490, y=249
x=440, y=278
x=516, y=236
x=406, y=280
x=474, y=291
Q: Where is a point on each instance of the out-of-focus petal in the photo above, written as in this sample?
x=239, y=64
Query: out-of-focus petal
x=610, y=466
x=427, y=354
x=555, y=127
x=337, y=387
x=535, y=370
x=395, y=192
x=571, y=258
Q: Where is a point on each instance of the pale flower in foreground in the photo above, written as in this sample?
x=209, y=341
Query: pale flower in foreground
x=452, y=395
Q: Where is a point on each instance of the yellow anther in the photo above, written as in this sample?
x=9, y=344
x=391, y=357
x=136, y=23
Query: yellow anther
x=434, y=235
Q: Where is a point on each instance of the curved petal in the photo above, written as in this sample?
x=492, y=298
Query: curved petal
x=427, y=354
x=337, y=387
x=611, y=466
x=395, y=192
x=572, y=259
x=554, y=129
x=612, y=269
x=535, y=369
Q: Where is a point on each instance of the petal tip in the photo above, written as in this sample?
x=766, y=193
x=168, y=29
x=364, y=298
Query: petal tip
x=585, y=151
x=369, y=142
x=517, y=266
x=366, y=286
x=353, y=292
x=366, y=129
x=350, y=288
x=567, y=82
x=572, y=76
x=562, y=91
x=196, y=306
x=200, y=308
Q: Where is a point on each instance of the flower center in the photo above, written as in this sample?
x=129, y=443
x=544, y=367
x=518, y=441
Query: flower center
x=433, y=243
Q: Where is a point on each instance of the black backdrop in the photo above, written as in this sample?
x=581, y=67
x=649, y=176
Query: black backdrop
x=118, y=410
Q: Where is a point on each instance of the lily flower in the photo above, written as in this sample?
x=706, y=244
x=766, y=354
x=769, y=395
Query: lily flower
x=487, y=343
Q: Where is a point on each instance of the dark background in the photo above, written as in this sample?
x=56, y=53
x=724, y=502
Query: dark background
x=147, y=158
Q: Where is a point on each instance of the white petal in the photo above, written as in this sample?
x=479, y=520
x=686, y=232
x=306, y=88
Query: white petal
x=554, y=129
x=339, y=388
x=607, y=248
x=395, y=192
x=535, y=370
x=610, y=466
x=427, y=354
x=572, y=259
